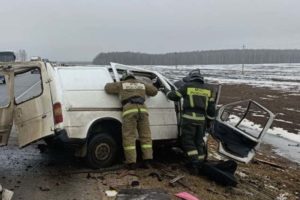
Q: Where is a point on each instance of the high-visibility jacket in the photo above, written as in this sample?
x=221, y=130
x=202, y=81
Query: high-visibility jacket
x=198, y=100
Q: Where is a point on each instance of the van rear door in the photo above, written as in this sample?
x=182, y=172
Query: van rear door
x=34, y=108
x=6, y=104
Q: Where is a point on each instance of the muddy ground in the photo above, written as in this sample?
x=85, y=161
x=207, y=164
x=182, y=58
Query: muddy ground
x=56, y=174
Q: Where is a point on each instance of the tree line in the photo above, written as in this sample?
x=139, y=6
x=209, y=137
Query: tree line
x=228, y=56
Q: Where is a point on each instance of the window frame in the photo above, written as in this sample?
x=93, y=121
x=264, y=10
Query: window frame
x=28, y=69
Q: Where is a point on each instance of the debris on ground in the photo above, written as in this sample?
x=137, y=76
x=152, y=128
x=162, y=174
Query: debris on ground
x=5, y=194
x=186, y=196
x=256, y=160
x=111, y=193
x=157, y=175
x=44, y=188
x=157, y=194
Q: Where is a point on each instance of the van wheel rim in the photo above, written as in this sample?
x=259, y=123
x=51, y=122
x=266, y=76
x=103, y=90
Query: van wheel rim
x=102, y=151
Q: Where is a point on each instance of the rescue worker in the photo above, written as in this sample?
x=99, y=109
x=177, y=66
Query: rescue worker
x=198, y=111
x=132, y=93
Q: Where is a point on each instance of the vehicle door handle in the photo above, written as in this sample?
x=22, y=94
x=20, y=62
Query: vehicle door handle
x=44, y=116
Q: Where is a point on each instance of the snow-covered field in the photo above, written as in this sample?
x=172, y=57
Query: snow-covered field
x=277, y=76
x=282, y=77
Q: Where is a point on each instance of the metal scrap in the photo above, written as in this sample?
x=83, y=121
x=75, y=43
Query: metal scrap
x=157, y=175
x=268, y=163
x=174, y=180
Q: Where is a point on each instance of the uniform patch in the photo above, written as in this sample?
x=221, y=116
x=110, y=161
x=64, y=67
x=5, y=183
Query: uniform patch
x=133, y=86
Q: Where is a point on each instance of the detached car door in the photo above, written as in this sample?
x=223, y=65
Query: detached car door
x=240, y=127
x=6, y=104
x=33, y=103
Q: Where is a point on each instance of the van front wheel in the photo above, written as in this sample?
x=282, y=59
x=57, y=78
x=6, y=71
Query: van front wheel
x=102, y=151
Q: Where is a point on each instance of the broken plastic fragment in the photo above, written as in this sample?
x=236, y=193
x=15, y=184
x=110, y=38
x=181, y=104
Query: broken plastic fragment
x=186, y=196
x=111, y=193
x=7, y=194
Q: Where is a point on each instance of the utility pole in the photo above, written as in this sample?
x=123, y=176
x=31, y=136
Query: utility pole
x=176, y=61
x=243, y=58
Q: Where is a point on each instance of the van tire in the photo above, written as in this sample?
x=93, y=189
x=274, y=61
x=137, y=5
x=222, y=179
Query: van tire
x=101, y=151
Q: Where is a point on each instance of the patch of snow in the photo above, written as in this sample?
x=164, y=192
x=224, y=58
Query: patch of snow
x=292, y=109
x=276, y=76
x=272, y=96
x=280, y=120
x=283, y=196
x=282, y=114
x=257, y=115
x=280, y=132
x=295, y=94
x=264, y=98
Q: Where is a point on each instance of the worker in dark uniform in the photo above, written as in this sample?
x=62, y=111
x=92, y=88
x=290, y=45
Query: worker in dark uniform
x=198, y=110
x=132, y=93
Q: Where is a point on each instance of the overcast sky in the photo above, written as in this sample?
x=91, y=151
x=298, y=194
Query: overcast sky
x=79, y=29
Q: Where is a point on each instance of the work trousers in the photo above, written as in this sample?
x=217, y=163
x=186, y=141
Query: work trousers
x=132, y=122
x=192, y=139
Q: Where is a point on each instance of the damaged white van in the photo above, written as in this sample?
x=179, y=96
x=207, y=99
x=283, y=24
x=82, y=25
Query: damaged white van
x=69, y=104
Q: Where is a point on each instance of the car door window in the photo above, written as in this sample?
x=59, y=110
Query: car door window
x=28, y=85
x=247, y=117
x=4, y=95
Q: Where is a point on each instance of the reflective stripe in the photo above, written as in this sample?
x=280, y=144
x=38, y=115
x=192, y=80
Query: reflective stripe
x=129, y=148
x=146, y=146
x=194, y=117
x=211, y=118
x=199, y=92
x=201, y=157
x=134, y=110
x=178, y=94
x=191, y=101
x=133, y=86
x=192, y=153
x=212, y=99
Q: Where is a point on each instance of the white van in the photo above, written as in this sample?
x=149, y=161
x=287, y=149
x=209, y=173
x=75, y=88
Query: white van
x=69, y=104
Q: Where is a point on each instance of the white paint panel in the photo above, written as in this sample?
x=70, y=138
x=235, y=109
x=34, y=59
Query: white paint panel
x=84, y=78
x=90, y=99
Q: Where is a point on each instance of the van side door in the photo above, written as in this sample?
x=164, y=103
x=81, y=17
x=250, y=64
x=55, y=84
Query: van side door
x=6, y=104
x=34, y=109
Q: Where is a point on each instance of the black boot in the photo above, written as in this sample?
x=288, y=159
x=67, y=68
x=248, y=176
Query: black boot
x=131, y=166
x=146, y=164
x=194, y=167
